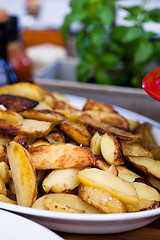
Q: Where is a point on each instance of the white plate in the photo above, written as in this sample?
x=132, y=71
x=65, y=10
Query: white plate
x=92, y=223
x=19, y=228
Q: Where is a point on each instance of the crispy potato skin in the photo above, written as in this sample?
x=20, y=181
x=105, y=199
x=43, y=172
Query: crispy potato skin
x=61, y=156
x=17, y=103
x=76, y=131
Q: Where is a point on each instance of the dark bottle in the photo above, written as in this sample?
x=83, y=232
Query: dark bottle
x=7, y=75
x=21, y=63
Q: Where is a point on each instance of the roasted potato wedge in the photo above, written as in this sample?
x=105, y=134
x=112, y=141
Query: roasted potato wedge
x=101, y=163
x=61, y=180
x=112, y=184
x=75, y=131
x=127, y=174
x=111, y=118
x=111, y=149
x=55, y=137
x=3, y=189
x=5, y=199
x=95, y=144
x=148, y=198
x=96, y=126
x=65, y=203
x=24, y=89
x=61, y=156
x=97, y=106
x=42, y=105
x=4, y=172
x=43, y=115
x=154, y=182
x=23, y=174
x=17, y=103
x=145, y=133
x=27, y=127
x=135, y=149
x=10, y=116
x=101, y=199
x=147, y=165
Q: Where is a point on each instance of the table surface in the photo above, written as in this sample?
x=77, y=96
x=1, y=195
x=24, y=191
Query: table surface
x=149, y=232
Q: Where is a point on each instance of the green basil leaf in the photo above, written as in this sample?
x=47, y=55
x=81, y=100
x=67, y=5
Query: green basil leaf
x=143, y=53
x=97, y=36
x=102, y=77
x=132, y=34
x=83, y=70
x=154, y=15
x=109, y=60
x=105, y=13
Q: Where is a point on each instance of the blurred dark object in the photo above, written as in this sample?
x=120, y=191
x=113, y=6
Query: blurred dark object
x=17, y=56
x=7, y=75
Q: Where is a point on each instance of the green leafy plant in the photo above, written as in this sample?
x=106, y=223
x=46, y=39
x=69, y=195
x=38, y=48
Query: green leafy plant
x=110, y=54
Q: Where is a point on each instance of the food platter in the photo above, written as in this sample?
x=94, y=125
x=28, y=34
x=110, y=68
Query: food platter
x=92, y=223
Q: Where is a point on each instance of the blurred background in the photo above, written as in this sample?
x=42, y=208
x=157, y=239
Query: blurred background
x=93, y=41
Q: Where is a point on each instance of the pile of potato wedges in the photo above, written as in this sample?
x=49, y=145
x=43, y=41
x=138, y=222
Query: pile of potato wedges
x=58, y=158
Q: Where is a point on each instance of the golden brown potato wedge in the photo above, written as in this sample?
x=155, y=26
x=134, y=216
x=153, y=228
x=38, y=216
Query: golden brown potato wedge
x=97, y=106
x=65, y=203
x=154, y=182
x=135, y=149
x=127, y=174
x=75, y=131
x=70, y=114
x=145, y=133
x=60, y=97
x=101, y=163
x=44, y=115
x=96, y=126
x=61, y=180
x=111, y=149
x=95, y=144
x=10, y=116
x=111, y=118
x=4, y=172
x=148, y=198
x=42, y=105
x=133, y=124
x=4, y=139
x=112, y=184
x=23, y=174
x=113, y=169
x=2, y=149
x=155, y=150
x=147, y=165
x=24, y=89
x=28, y=127
x=3, y=189
x=101, y=199
x=5, y=199
x=59, y=105
x=56, y=137
x=17, y=103
x=61, y=156
x=39, y=142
